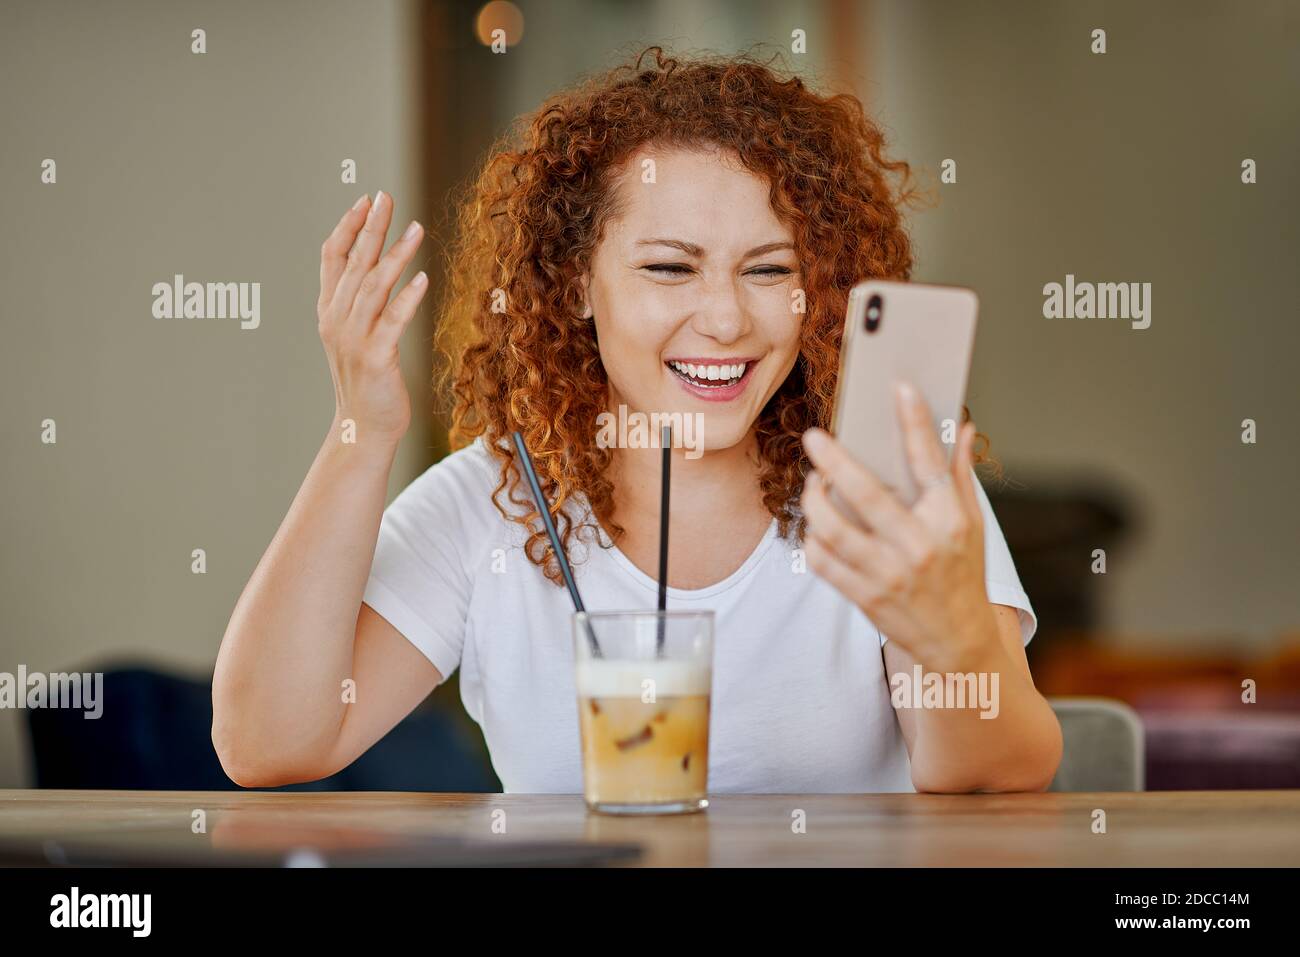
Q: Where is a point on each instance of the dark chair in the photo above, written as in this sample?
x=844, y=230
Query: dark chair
x=155, y=734
x=1052, y=524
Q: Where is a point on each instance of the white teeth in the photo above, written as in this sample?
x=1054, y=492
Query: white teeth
x=711, y=373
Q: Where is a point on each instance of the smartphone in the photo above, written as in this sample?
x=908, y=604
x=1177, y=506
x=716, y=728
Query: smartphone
x=893, y=331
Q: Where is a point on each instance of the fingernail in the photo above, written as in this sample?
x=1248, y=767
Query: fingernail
x=379, y=200
x=420, y=279
x=814, y=440
x=411, y=230
x=360, y=202
x=907, y=392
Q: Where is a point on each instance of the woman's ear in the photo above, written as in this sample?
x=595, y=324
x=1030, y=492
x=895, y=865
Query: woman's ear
x=585, y=280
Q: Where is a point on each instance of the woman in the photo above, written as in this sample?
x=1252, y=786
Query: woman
x=674, y=237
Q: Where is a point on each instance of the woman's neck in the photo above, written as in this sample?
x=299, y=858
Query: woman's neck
x=699, y=483
x=716, y=511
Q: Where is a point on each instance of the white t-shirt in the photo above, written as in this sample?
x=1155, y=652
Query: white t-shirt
x=801, y=703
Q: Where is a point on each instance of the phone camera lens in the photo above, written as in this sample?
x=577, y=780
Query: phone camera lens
x=875, y=307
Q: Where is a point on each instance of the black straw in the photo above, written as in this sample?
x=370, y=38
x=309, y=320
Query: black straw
x=545, y=511
x=666, y=440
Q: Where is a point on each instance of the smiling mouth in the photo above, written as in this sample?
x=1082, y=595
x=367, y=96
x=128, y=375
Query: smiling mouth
x=710, y=375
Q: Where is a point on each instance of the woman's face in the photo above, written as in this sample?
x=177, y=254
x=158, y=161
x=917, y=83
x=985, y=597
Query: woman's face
x=691, y=289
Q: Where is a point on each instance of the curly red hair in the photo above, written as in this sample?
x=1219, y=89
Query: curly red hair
x=516, y=353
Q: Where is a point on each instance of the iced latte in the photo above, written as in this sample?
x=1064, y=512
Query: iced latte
x=643, y=710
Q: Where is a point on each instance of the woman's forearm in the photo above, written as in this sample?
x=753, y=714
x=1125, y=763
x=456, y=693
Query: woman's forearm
x=277, y=690
x=1009, y=740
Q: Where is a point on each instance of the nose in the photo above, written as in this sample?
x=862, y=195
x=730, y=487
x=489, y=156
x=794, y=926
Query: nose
x=721, y=314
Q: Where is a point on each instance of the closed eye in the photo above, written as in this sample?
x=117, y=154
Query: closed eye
x=680, y=269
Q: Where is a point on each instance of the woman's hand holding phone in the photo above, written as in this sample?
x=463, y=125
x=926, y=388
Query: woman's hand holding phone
x=360, y=327
x=918, y=572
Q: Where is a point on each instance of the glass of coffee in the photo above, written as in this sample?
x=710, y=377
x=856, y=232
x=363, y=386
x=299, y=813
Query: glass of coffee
x=644, y=681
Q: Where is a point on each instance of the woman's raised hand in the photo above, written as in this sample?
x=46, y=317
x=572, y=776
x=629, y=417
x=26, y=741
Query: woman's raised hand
x=359, y=326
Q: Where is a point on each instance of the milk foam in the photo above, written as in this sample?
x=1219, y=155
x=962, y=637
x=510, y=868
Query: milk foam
x=601, y=678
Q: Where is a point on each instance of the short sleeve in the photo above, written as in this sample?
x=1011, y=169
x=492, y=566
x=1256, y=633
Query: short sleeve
x=1000, y=576
x=1001, y=580
x=418, y=581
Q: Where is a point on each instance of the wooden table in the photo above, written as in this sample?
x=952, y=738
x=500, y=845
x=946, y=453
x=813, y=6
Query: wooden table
x=1180, y=829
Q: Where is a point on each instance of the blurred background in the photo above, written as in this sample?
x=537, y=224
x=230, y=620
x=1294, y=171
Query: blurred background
x=1122, y=166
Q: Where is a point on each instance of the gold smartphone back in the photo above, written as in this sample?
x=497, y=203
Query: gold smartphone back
x=925, y=334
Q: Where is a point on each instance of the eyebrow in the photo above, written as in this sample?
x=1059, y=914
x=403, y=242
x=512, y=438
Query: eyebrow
x=691, y=249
